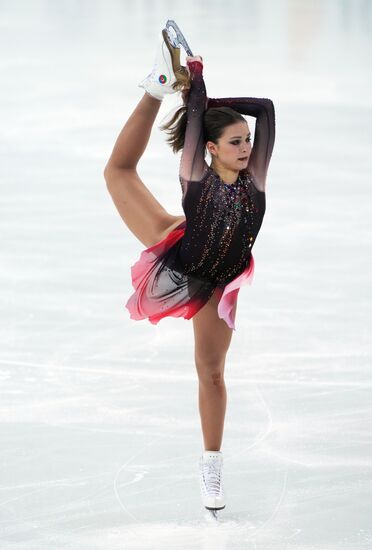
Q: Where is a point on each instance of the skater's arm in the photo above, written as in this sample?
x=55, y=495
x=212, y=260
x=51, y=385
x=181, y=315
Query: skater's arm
x=192, y=159
x=264, y=137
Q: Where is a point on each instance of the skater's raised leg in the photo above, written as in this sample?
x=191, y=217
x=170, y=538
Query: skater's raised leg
x=140, y=210
x=142, y=213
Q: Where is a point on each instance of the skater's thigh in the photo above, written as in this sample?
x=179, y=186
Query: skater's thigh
x=146, y=218
x=212, y=335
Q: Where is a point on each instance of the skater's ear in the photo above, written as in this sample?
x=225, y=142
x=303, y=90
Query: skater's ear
x=212, y=148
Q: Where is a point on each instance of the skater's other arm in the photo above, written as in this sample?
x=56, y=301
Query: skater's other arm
x=192, y=162
x=264, y=137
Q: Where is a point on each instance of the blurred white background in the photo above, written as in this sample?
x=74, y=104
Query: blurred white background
x=100, y=430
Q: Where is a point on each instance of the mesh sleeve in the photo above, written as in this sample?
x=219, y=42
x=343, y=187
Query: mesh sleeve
x=192, y=162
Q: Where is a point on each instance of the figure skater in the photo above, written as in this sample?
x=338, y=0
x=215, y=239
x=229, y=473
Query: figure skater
x=193, y=265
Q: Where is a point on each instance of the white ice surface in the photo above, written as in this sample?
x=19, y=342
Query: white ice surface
x=100, y=431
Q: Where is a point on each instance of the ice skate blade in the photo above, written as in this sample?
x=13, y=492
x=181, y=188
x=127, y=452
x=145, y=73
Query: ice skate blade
x=176, y=37
x=212, y=513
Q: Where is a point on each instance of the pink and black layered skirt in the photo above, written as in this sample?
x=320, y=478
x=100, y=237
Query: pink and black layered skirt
x=163, y=289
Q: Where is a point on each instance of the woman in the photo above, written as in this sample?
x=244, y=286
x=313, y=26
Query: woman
x=194, y=264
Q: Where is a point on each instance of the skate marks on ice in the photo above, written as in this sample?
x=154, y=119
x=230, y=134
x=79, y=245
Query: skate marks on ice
x=183, y=528
x=248, y=529
x=279, y=463
x=217, y=515
x=292, y=482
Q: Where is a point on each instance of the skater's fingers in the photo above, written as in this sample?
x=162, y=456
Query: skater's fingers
x=194, y=58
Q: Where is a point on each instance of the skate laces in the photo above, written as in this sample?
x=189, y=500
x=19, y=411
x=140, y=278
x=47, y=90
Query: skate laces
x=211, y=470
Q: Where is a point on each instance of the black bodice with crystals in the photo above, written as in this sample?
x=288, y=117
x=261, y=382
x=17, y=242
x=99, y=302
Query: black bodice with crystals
x=222, y=223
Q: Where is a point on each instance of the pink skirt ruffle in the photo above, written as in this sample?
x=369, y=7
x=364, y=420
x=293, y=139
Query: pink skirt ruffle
x=163, y=292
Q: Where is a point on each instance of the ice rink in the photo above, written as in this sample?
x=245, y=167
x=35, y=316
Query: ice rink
x=100, y=429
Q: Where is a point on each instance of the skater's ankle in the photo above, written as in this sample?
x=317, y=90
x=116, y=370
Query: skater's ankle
x=157, y=99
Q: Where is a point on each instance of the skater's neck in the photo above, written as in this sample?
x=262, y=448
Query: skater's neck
x=227, y=175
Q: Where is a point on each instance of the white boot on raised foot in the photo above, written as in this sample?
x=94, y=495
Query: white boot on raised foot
x=162, y=77
x=212, y=491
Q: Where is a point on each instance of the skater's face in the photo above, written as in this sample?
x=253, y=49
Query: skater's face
x=233, y=148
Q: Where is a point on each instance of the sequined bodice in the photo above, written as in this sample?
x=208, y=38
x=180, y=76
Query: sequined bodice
x=222, y=223
x=222, y=220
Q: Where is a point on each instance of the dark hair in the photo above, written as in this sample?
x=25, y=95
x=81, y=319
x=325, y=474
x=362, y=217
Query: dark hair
x=215, y=121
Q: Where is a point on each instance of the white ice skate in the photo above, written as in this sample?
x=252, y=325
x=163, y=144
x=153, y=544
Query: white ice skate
x=167, y=74
x=212, y=491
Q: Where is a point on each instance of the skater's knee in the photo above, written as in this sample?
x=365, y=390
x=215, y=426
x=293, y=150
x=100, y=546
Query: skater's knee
x=211, y=379
x=216, y=378
x=119, y=177
x=210, y=370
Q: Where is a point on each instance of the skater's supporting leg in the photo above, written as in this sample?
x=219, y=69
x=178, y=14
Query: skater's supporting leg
x=142, y=213
x=212, y=340
x=212, y=405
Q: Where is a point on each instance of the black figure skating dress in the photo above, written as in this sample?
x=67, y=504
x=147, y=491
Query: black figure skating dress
x=212, y=249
